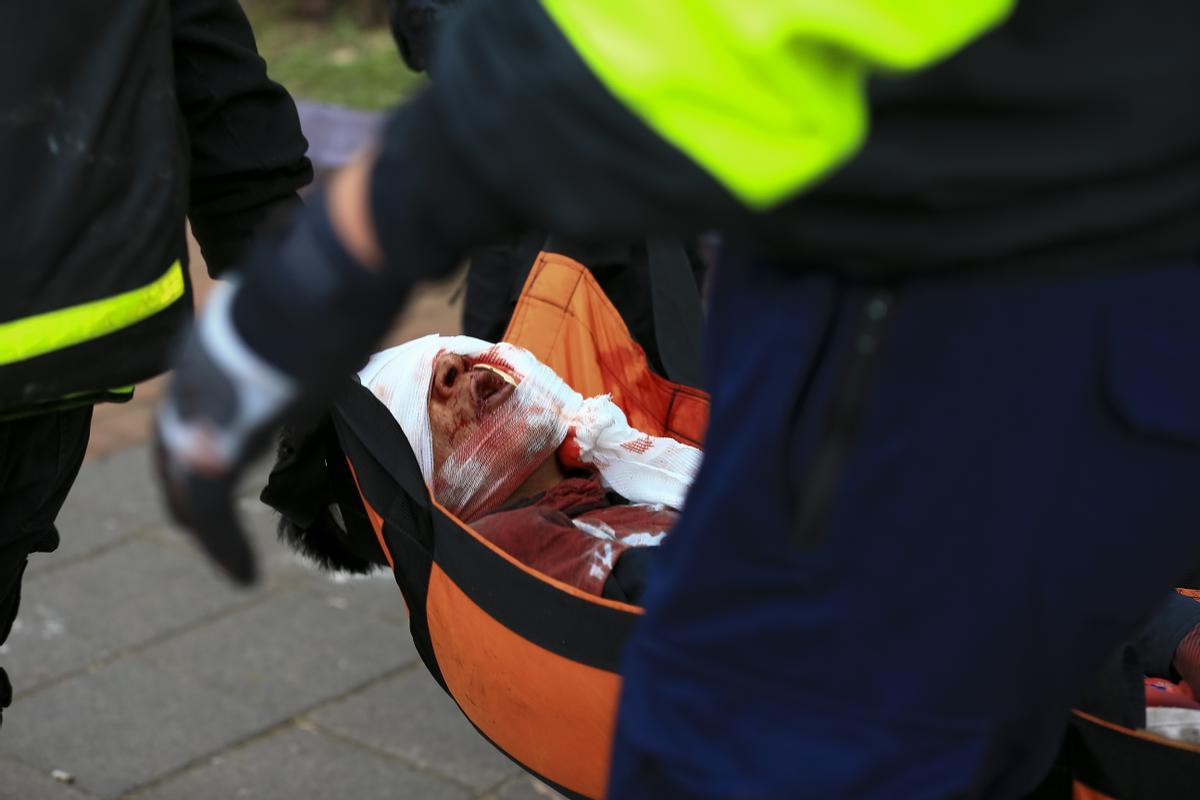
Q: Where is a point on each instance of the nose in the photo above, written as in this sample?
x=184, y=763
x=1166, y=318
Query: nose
x=448, y=370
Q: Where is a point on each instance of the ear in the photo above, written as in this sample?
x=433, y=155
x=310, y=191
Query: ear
x=448, y=368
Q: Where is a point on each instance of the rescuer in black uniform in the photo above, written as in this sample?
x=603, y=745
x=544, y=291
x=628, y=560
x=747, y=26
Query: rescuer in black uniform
x=119, y=120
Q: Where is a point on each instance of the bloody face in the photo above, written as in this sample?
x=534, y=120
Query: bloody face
x=461, y=396
x=494, y=417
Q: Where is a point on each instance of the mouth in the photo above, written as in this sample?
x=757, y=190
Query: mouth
x=505, y=376
x=491, y=388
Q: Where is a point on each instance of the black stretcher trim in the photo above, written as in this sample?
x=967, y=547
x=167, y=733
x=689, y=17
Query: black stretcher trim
x=572, y=627
x=361, y=413
x=677, y=310
x=365, y=429
x=1129, y=767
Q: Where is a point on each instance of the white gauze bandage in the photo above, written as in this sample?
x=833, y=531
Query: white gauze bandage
x=516, y=437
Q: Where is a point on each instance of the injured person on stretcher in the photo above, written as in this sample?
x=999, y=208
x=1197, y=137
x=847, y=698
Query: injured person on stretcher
x=560, y=482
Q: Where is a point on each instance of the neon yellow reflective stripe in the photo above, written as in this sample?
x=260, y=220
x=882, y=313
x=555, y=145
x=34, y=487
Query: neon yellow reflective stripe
x=120, y=390
x=56, y=330
x=765, y=96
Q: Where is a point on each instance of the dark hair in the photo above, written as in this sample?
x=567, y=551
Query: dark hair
x=321, y=515
x=326, y=543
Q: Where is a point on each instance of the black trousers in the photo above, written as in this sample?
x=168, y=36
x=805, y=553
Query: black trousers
x=39, y=459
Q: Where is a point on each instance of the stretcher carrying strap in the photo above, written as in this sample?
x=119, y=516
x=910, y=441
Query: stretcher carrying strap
x=678, y=315
x=1127, y=764
x=37, y=335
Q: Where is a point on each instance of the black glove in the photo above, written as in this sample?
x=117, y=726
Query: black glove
x=303, y=311
x=215, y=418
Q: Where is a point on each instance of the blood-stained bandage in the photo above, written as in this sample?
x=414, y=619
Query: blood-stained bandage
x=512, y=439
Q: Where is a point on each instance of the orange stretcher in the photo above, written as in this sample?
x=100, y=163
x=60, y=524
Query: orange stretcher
x=531, y=662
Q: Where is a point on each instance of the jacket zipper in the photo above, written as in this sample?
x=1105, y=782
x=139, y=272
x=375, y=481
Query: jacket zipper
x=821, y=479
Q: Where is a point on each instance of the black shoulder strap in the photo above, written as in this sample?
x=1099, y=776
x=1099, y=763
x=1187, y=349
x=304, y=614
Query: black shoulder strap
x=357, y=410
x=525, y=254
x=678, y=316
x=1128, y=766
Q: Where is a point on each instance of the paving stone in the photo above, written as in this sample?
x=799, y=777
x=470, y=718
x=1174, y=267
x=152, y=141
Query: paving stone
x=299, y=764
x=375, y=594
x=22, y=782
x=278, y=562
x=525, y=787
x=287, y=653
x=116, y=495
x=112, y=497
x=134, y=592
x=275, y=559
x=121, y=726
x=40, y=648
x=410, y=716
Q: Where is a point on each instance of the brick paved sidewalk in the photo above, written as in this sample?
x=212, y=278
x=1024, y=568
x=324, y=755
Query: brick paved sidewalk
x=140, y=674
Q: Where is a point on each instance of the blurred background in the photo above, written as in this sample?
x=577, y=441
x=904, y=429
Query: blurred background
x=332, y=51
x=139, y=673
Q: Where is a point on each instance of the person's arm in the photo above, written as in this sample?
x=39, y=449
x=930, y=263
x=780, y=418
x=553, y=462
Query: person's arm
x=247, y=151
x=595, y=120
x=612, y=120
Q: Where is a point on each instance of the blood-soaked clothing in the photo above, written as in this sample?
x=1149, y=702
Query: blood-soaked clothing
x=575, y=531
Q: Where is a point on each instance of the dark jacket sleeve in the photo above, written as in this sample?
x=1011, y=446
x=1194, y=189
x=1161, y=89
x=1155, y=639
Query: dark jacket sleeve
x=247, y=151
x=414, y=24
x=514, y=132
x=519, y=105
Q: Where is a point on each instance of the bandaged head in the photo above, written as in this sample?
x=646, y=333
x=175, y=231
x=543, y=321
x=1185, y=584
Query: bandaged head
x=500, y=413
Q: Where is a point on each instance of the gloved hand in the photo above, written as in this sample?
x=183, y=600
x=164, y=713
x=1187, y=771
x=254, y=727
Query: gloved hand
x=302, y=311
x=217, y=415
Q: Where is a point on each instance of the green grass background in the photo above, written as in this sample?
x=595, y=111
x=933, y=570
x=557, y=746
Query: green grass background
x=333, y=61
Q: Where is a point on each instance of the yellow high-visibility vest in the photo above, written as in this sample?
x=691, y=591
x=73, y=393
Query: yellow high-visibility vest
x=765, y=95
